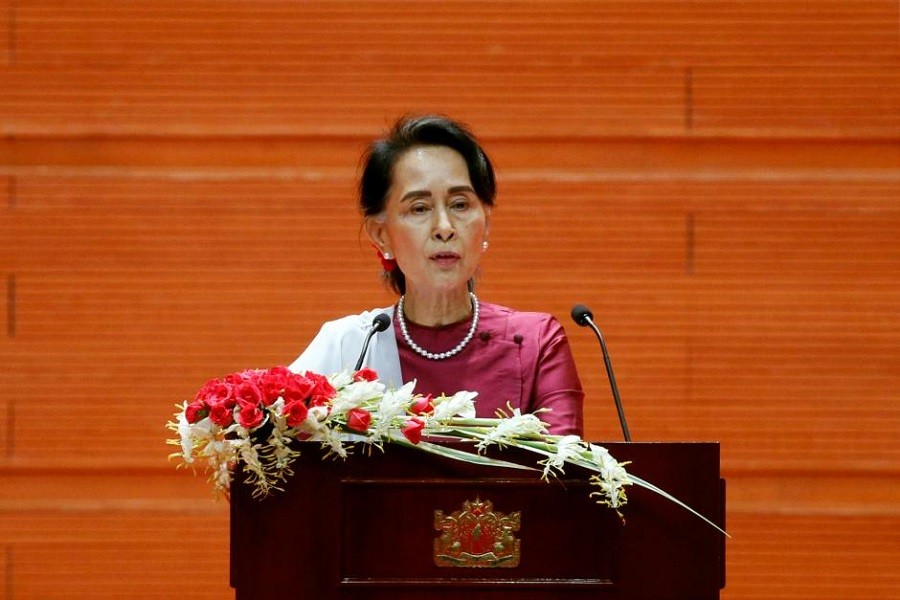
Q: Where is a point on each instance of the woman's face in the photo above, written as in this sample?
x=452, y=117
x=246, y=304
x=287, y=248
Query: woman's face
x=433, y=222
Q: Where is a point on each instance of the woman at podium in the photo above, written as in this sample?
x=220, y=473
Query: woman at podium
x=426, y=193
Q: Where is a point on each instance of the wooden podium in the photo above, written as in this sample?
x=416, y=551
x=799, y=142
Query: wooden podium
x=370, y=527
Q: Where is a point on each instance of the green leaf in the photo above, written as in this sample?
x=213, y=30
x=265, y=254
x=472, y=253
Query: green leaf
x=460, y=455
x=649, y=486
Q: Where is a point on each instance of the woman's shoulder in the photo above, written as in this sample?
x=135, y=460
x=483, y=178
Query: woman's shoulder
x=518, y=319
x=361, y=321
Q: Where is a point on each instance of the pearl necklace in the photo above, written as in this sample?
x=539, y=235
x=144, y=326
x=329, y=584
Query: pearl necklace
x=431, y=355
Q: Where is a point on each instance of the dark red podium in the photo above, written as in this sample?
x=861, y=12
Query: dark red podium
x=366, y=528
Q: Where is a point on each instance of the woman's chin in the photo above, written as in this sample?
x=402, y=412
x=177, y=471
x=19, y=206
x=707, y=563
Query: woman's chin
x=444, y=282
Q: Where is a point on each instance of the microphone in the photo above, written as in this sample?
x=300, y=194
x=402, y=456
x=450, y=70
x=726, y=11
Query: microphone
x=582, y=315
x=379, y=323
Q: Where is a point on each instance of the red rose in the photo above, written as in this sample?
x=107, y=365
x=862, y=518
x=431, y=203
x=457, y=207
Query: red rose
x=221, y=414
x=322, y=391
x=250, y=416
x=359, y=419
x=365, y=374
x=279, y=372
x=298, y=388
x=195, y=411
x=295, y=412
x=273, y=382
x=236, y=378
x=413, y=429
x=423, y=405
x=248, y=393
x=224, y=394
x=213, y=392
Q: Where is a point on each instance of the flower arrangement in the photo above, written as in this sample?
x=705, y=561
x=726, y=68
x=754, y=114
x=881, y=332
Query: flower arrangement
x=252, y=418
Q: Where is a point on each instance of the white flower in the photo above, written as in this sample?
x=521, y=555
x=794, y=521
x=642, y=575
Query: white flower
x=317, y=414
x=567, y=448
x=612, y=477
x=599, y=454
x=333, y=439
x=612, y=492
x=610, y=469
x=187, y=443
x=279, y=450
x=276, y=414
x=315, y=423
x=355, y=394
x=393, y=405
x=459, y=404
x=339, y=380
x=222, y=477
x=515, y=426
x=200, y=434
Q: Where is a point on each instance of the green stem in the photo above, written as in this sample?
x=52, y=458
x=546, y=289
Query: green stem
x=479, y=422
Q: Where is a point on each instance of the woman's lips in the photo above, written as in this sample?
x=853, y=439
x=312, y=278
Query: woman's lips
x=445, y=259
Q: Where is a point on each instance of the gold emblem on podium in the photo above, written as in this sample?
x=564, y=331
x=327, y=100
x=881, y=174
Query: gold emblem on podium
x=476, y=536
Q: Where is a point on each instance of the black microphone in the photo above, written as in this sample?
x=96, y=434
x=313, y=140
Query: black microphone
x=379, y=323
x=582, y=315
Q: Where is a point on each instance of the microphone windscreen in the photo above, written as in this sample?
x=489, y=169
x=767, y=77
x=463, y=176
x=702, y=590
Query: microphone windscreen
x=381, y=322
x=581, y=314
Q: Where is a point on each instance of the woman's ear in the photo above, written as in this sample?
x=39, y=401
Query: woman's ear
x=376, y=230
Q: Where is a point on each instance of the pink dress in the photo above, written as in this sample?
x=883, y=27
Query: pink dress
x=520, y=359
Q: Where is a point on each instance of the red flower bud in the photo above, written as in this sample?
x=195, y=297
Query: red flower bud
x=195, y=411
x=413, y=429
x=359, y=419
x=423, y=405
x=365, y=374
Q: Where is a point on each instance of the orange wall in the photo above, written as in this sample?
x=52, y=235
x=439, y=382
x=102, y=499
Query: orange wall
x=717, y=179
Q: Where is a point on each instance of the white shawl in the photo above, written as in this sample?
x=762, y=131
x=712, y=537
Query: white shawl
x=337, y=346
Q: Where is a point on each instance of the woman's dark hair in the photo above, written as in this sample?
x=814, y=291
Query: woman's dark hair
x=411, y=132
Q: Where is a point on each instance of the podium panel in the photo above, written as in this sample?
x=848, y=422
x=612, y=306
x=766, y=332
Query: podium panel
x=404, y=524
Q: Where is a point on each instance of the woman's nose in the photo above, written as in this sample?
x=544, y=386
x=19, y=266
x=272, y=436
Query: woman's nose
x=443, y=228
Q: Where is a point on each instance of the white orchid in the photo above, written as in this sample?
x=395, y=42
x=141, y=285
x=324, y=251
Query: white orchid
x=460, y=404
x=355, y=394
x=612, y=478
x=279, y=449
x=248, y=453
x=390, y=408
x=315, y=426
x=334, y=441
x=341, y=379
x=567, y=448
x=185, y=438
x=517, y=425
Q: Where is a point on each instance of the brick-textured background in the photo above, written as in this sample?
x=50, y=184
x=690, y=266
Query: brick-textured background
x=719, y=180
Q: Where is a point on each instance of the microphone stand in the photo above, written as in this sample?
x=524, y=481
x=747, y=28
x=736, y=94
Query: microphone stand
x=583, y=317
x=379, y=323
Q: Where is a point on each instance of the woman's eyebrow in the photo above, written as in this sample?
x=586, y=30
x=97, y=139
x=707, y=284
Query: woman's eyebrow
x=461, y=188
x=415, y=194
